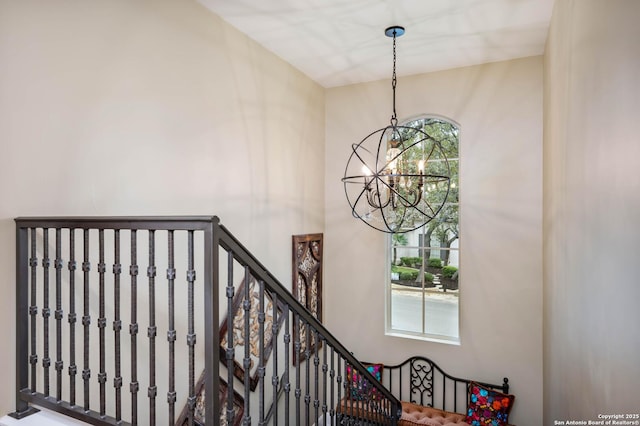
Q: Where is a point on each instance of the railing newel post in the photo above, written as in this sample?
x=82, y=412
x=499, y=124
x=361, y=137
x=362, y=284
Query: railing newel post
x=23, y=408
x=212, y=235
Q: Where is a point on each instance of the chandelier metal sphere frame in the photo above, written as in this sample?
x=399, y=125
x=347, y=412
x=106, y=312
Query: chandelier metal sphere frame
x=397, y=178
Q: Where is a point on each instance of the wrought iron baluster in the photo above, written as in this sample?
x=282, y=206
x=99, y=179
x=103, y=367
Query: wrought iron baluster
x=230, y=351
x=191, y=335
x=152, y=391
x=171, y=333
x=46, y=312
x=316, y=373
x=285, y=377
x=297, y=346
x=339, y=378
x=59, y=314
x=117, y=323
x=33, y=309
x=102, y=323
x=86, y=321
x=325, y=369
x=261, y=369
x=274, y=344
x=332, y=375
x=246, y=362
x=307, y=370
x=73, y=368
x=134, y=386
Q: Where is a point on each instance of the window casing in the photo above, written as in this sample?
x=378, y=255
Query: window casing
x=423, y=265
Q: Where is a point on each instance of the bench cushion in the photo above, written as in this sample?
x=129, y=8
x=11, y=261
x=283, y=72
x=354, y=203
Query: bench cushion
x=418, y=415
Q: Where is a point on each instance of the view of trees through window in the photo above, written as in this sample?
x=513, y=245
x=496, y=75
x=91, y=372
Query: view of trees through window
x=423, y=263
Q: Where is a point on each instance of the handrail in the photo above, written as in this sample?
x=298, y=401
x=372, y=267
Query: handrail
x=119, y=222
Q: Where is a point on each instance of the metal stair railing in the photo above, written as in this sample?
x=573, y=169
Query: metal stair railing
x=280, y=363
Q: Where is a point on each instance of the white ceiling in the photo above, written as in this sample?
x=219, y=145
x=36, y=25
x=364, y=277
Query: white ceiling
x=339, y=42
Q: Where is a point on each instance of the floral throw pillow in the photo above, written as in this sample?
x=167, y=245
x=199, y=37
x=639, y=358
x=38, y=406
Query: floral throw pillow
x=359, y=386
x=487, y=406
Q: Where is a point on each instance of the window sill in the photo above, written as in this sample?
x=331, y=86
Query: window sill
x=424, y=337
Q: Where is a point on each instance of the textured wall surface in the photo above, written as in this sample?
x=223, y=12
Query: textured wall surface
x=591, y=210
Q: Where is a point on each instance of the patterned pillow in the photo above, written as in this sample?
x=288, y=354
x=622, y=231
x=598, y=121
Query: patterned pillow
x=359, y=386
x=487, y=406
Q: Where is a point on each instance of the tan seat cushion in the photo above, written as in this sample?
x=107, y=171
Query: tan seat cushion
x=417, y=415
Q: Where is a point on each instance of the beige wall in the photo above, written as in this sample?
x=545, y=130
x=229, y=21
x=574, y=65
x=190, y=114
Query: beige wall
x=151, y=108
x=499, y=109
x=591, y=210
x=159, y=107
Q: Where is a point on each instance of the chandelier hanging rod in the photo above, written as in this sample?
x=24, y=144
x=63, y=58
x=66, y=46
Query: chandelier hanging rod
x=394, y=31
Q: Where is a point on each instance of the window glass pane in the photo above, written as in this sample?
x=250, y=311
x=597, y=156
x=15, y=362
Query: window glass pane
x=423, y=279
x=408, y=315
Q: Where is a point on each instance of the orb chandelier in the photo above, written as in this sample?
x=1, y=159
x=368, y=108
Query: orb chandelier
x=397, y=178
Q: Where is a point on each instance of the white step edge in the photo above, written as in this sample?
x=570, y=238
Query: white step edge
x=43, y=418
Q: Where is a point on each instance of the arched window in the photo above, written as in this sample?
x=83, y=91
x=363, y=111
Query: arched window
x=423, y=265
